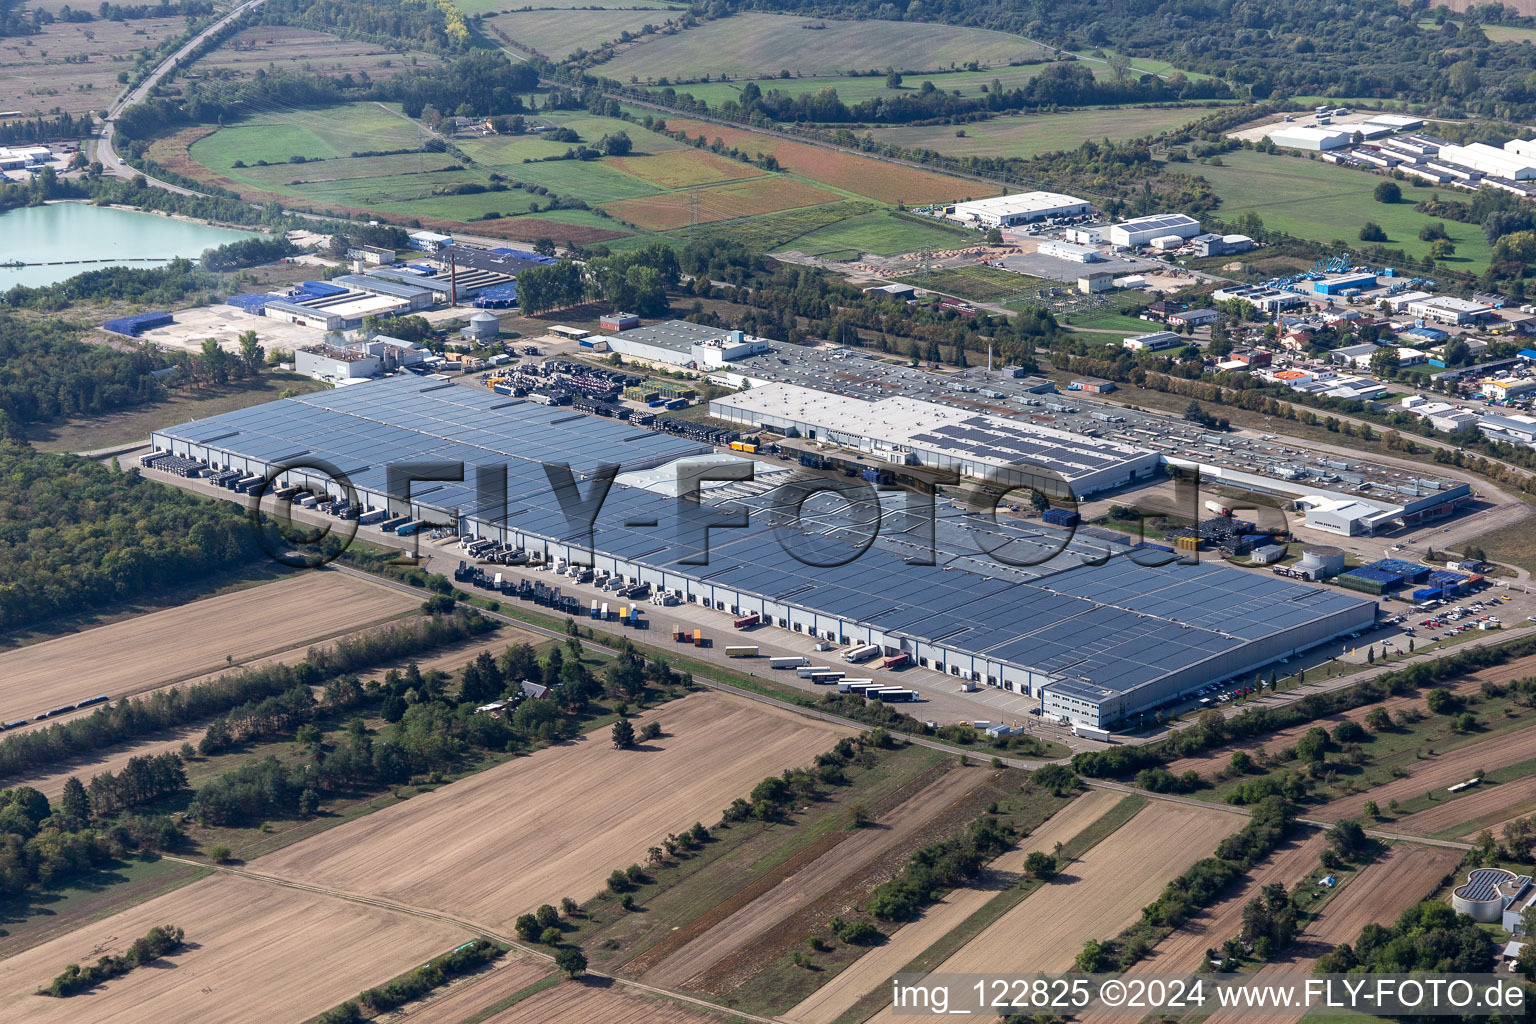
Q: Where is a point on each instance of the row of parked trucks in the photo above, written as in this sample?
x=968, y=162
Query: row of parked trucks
x=44, y=715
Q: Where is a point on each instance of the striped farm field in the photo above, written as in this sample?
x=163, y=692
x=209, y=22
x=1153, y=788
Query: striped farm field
x=861, y=175
x=683, y=168
x=254, y=951
x=534, y=829
x=724, y=202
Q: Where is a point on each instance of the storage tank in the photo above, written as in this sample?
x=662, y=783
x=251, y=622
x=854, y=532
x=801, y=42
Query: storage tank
x=1321, y=562
x=483, y=326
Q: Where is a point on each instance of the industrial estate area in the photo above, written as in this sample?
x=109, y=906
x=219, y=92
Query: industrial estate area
x=740, y=513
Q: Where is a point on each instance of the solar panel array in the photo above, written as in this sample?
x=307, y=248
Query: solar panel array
x=1088, y=609
x=1483, y=884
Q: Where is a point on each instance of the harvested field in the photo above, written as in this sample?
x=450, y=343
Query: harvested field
x=1212, y=761
x=864, y=176
x=1185, y=948
x=725, y=202
x=764, y=44
x=506, y=978
x=593, y=999
x=558, y=33
x=1098, y=895
x=684, y=967
x=113, y=760
x=244, y=940
x=566, y=817
x=874, y=969
x=153, y=650
x=1501, y=803
x=72, y=65
x=1379, y=893
x=1437, y=772
x=288, y=48
x=683, y=168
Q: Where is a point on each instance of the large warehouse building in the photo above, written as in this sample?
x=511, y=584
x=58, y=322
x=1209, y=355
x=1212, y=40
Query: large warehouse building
x=1096, y=629
x=680, y=343
x=907, y=430
x=1142, y=230
x=1021, y=208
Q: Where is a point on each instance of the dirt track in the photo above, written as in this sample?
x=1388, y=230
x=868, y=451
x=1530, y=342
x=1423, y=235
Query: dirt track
x=874, y=968
x=1381, y=892
x=683, y=966
x=153, y=650
x=591, y=1001
x=557, y=823
x=1436, y=773
x=1212, y=761
x=254, y=952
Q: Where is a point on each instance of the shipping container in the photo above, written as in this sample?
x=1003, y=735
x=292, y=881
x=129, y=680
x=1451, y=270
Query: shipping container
x=741, y=652
x=896, y=661
x=750, y=620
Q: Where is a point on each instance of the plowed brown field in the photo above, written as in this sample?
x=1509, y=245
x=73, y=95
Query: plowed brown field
x=255, y=951
x=496, y=845
x=1510, y=800
x=592, y=1001
x=1382, y=891
x=723, y=202
x=510, y=976
x=875, y=968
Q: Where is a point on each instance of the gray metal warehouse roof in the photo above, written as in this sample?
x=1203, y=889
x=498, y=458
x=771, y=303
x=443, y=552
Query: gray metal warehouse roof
x=1097, y=612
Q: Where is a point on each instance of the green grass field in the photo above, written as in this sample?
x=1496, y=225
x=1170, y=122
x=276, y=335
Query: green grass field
x=855, y=89
x=978, y=283
x=1324, y=203
x=758, y=44
x=320, y=133
x=884, y=233
x=1027, y=135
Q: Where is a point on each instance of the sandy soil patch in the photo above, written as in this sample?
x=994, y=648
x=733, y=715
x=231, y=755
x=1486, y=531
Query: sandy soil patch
x=875, y=968
x=153, y=650
x=255, y=951
x=555, y=824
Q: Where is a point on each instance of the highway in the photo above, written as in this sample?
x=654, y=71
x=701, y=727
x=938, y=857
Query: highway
x=104, y=151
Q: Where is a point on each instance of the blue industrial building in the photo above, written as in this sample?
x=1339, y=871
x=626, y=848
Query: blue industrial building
x=138, y=323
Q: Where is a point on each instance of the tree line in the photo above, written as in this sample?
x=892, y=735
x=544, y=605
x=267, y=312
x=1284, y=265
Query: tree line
x=132, y=718
x=159, y=941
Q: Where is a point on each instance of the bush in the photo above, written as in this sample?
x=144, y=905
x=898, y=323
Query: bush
x=219, y=854
x=855, y=933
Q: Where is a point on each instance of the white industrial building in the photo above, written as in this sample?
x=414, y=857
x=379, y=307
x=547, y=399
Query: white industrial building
x=1446, y=309
x=1503, y=163
x=24, y=156
x=1314, y=140
x=1022, y=208
x=358, y=360
x=1396, y=122
x=1142, y=230
x=910, y=431
x=1068, y=251
x=1154, y=342
x=680, y=343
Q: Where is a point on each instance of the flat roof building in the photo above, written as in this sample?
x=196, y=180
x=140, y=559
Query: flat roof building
x=1068, y=251
x=1021, y=208
x=1008, y=451
x=1154, y=342
x=680, y=343
x=1446, y=309
x=1142, y=230
x=1308, y=138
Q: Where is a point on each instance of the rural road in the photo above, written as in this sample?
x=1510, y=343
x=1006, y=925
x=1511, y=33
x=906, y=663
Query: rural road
x=104, y=151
